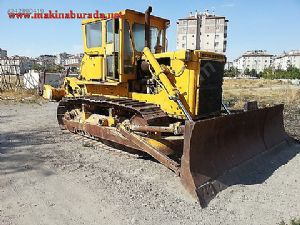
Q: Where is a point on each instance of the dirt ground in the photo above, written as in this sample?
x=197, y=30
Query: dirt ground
x=48, y=177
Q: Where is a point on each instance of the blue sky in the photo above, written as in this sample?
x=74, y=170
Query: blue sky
x=273, y=25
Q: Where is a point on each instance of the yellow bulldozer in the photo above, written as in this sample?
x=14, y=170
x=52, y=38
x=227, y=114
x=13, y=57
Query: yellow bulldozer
x=134, y=94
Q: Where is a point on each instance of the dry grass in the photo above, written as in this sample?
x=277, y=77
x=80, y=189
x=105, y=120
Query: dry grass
x=21, y=95
x=11, y=90
x=265, y=92
x=250, y=83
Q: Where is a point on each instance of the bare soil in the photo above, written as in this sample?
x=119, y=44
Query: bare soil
x=50, y=177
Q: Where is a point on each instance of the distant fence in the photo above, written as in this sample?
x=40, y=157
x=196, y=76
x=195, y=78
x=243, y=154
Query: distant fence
x=9, y=78
x=30, y=80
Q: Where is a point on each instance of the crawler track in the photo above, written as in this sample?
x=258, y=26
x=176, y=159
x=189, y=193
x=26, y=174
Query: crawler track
x=150, y=113
x=138, y=112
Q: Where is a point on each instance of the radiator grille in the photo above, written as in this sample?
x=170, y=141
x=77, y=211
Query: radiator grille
x=210, y=88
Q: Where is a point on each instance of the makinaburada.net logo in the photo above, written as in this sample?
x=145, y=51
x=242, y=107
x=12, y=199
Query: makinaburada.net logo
x=55, y=14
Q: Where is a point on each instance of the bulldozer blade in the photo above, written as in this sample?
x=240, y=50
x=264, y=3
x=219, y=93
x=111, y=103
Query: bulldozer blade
x=213, y=147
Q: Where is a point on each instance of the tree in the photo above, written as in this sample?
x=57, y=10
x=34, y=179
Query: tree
x=267, y=73
x=247, y=71
x=253, y=73
x=293, y=72
x=50, y=68
x=290, y=73
x=231, y=72
x=38, y=67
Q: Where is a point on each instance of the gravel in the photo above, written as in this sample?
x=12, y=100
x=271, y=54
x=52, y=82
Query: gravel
x=50, y=177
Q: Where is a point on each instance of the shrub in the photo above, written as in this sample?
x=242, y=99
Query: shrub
x=231, y=72
x=290, y=73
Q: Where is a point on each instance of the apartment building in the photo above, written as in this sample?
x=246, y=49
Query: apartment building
x=287, y=59
x=74, y=59
x=202, y=31
x=45, y=60
x=60, y=58
x=256, y=59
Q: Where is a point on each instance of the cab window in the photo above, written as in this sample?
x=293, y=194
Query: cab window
x=139, y=37
x=109, y=31
x=127, y=41
x=93, y=34
x=128, y=52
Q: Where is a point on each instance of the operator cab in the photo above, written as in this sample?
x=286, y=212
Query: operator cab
x=113, y=47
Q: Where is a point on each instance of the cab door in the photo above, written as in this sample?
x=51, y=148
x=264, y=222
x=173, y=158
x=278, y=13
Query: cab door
x=92, y=63
x=112, y=50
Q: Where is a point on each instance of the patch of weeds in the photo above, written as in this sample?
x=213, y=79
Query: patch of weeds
x=292, y=222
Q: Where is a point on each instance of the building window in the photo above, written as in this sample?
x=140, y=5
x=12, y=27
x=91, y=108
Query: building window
x=207, y=35
x=183, y=46
x=183, y=37
x=216, y=44
x=193, y=35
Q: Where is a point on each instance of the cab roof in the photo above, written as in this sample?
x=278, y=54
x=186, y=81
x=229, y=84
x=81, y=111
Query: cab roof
x=124, y=13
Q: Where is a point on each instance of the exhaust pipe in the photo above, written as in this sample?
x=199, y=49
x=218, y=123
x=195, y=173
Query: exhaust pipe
x=147, y=26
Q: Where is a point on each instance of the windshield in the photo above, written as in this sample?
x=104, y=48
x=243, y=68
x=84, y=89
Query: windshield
x=139, y=37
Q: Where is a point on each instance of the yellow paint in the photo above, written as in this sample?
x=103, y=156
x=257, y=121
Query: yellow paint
x=161, y=73
x=47, y=92
x=111, y=120
x=92, y=67
x=52, y=93
x=160, y=145
x=84, y=114
x=179, y=77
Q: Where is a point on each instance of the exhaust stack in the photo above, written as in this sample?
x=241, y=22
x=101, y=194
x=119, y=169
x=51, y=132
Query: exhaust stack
x=147, y=26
